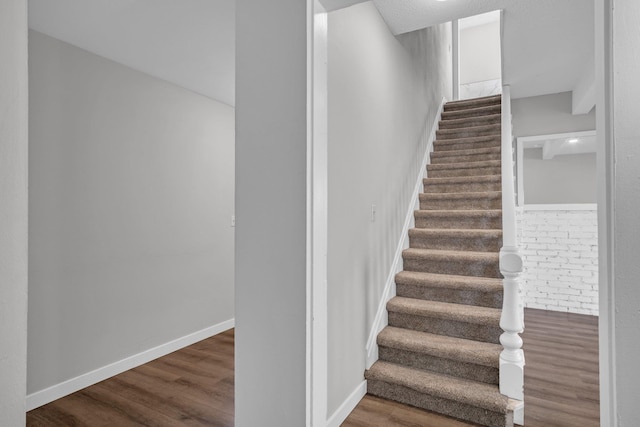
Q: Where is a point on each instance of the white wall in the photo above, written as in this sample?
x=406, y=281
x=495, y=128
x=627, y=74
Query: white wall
x=569, y=178
x=271, y=212
x=480, y=53
x=384, y=93
x=625, y=205
x=131, y=197
x=560, y=252
x=548, y=114
x=13, y=211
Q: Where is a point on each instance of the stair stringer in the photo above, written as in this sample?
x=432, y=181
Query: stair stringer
x=381, y=320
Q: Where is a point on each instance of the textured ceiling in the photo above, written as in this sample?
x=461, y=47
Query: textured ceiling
x=190, y=43
x=547, y=43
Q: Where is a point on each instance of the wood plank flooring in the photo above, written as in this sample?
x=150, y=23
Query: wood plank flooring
x=194, y=386
x=190, y=387
x=560, y=379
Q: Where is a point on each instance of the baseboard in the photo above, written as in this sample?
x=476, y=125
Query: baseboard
x=72, y=385
x=348, y=405
x=381, y=320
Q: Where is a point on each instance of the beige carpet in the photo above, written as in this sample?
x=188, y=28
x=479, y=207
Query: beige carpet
x=441, y=349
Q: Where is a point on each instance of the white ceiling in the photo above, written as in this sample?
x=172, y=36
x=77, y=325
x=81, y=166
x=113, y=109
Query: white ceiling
x=187, y=42
x=548, y=43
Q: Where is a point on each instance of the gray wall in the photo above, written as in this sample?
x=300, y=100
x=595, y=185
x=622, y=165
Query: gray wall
x=625, y=207
x=13, y=211
x=131, y=197
x=271, y=212
x=383, y=92
x=564, y=179
x=480, y=53
x=548, y=114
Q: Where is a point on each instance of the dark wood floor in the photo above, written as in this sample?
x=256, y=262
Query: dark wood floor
x=194, y=386
x=560, y=379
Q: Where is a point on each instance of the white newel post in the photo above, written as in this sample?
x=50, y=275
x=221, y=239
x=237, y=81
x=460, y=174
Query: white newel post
x=511, y=321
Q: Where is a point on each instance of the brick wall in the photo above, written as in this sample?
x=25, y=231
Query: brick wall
x=560, y=253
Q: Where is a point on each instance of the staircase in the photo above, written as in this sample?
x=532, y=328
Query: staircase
x=441, y=349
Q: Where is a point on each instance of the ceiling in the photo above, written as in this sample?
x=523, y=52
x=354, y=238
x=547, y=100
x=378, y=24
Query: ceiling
x=548, y=43
x=190, y=43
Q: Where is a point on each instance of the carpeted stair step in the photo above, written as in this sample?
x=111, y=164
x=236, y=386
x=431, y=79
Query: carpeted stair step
x=480, y=291
x=463, y=201
x=469, y=122
x=470, y=155
x=473, y=103
x=456, y=240
x=458, y=357
x=463, y=184
x=442, y=318
x=467, y=143
x=446, y=170
x=472, y=112
x=466, y=132
x=459, y=398
x=463, y=263
x=469, y=219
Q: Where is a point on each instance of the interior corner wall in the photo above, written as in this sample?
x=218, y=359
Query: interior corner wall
x=384, y=93
x=548, y=114
x=13, y=211
x=131, y=196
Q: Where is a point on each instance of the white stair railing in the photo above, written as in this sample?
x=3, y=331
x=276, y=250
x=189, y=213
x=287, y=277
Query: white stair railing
x=512, y=319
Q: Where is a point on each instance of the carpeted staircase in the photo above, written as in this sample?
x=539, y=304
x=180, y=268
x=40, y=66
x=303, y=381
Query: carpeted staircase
x=441, y=349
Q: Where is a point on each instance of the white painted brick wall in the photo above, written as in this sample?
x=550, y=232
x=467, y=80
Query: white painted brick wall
x=560, y=253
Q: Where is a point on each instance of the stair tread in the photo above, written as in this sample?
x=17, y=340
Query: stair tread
x=472, y=233
x=477, y=111
x=479, y=128
x=447, y=254
x=463, y=120
x=457, y=213
x=449, y=281
x=461, y=196
x=435, y=180
x=468, y=139
x=465, y=165
x=443, y=346
x=476, y=100
x=474, y=393
x=445, y=310
x=466, y=152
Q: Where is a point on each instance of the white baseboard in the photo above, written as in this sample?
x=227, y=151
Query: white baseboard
x=72, y=385
x=348, y=405
x=381, y=320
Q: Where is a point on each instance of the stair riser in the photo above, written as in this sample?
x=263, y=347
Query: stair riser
x=475, y=112
x=439, y=146
x=455, y=296
x=443, y=406
x=459, y=222
x=455, y=368
x=461, y=204
x=452, y=173
x=467, y=132
x=477, y=268
x=432, y=188
x=468, y=122
x=463, y=159
x=484, y=244
x=448, y=327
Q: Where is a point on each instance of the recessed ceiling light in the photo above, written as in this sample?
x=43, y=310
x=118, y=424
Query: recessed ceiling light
x=573, y=140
